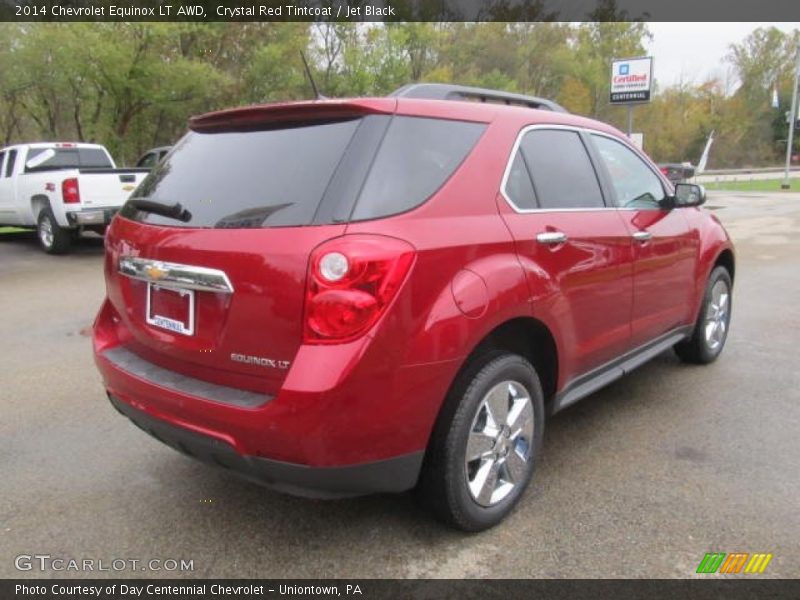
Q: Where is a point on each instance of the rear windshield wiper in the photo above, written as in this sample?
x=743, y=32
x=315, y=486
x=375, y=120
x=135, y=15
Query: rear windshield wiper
x=173, y=211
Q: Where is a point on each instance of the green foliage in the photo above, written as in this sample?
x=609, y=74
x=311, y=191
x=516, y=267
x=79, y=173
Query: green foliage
x=133, y=85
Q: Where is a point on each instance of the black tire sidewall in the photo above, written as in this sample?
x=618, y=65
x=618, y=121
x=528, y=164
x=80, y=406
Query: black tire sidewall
x=467, y=513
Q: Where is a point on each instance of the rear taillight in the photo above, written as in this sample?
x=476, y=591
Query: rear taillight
x=351, y=281
x=665, y=171
x=70, y=191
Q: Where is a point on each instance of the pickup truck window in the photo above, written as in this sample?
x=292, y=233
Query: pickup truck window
x=12, y=158
x=250, y=179
x=2, y=156
x=50, y=159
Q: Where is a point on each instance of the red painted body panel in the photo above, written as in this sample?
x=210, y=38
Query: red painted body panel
x=476, y=267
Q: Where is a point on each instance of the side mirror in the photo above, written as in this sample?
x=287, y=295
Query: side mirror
x=688, y=194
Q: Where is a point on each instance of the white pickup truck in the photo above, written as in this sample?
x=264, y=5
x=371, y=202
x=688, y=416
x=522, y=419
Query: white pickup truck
x=62, y=189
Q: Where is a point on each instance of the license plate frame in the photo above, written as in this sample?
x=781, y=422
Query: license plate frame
x=168, y=323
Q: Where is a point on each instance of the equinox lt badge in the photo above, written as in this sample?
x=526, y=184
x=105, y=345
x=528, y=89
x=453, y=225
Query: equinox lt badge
x=259, y=360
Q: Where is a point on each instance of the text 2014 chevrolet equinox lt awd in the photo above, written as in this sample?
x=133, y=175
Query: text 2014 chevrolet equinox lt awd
x=340, y=297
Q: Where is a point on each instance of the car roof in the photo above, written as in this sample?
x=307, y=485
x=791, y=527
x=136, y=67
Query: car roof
x=249, y=117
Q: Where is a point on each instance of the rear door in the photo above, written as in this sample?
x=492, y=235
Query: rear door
x=219, y=292
x=576, y=250
x=665, y=248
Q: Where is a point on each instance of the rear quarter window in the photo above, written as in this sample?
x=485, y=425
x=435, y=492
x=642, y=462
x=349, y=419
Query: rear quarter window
x=417, y=156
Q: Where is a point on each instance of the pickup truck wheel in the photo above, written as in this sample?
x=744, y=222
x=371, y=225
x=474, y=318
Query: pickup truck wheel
x=483, y=451
x=711, y=329
x=52, y=238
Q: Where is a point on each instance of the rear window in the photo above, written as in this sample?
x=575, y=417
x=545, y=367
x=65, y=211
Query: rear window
x=49, y=159
x=415, y=159
x=247, y=179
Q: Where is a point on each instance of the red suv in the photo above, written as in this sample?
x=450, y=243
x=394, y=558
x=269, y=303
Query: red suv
x=341, y=297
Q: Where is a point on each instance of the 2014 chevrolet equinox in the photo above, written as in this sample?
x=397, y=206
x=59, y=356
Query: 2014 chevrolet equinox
x=352, y=296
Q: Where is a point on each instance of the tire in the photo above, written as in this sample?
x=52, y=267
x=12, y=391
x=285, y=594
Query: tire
x=52, y=238
x=450, y=484
x=713, y=322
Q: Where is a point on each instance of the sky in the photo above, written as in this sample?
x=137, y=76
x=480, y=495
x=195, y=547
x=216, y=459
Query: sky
x=694, y=52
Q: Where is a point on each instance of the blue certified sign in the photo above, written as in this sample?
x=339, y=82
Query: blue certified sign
x=624, y=69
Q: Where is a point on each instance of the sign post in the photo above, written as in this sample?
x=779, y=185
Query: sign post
x=631, y=83
x=792, y=123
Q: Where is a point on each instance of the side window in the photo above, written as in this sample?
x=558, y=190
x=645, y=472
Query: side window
x=635, y=184
x=563, y=175
x=147, y=161
x=2, y=156
x=518, y=186
x=12, y=157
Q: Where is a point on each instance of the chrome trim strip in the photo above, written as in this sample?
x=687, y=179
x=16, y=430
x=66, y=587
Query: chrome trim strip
x=174, y=275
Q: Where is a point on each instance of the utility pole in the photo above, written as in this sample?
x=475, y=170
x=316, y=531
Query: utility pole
x=792, y=120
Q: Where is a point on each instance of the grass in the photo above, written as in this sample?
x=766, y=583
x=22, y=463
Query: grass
x=12, y=230
x=754, y=185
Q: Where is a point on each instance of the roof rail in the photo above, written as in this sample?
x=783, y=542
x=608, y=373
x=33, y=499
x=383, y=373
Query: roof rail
x=446, y=91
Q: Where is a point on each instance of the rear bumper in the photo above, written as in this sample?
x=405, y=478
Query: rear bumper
x=392, y=475
x=348, y=416
x=91, y=217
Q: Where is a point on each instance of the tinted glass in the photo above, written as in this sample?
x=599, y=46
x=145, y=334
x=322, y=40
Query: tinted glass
x=48, y=159
x=12, y=157
x=563, y=175
x=518, y=185
x=635, y=185
x=2, y=156
x=415, y=159
x=247, y=179
x=148, y=160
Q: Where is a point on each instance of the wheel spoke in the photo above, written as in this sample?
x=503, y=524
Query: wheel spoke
x=516, y=466
x=485, y=482
x=517, y=416
x=723, y=302
x=711, y=328
x=497, y=405
x=523, y=426
x=478, y=444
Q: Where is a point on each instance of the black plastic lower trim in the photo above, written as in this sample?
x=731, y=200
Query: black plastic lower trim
x=135, y=365
x=391, y=475
x=600, y=377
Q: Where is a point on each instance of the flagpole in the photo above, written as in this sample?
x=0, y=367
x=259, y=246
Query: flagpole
x=792, y=119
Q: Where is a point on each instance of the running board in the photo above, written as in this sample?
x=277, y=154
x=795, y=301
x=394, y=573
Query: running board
x=599, y=378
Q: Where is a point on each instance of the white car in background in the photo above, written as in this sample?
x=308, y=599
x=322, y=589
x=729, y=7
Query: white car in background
x=62, y=189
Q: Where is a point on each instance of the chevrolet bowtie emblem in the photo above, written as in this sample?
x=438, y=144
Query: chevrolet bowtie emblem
x=155, y=272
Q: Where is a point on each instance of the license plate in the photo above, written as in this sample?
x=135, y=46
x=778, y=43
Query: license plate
x=170, y=308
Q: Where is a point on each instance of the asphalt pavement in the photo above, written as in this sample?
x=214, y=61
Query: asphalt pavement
x=639, y=480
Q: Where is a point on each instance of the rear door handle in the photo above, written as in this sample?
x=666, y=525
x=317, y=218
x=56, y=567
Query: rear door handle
x=642, y=236
x=551, y=237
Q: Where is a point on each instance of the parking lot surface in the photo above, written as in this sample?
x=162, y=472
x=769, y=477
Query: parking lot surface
x=638, y=480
